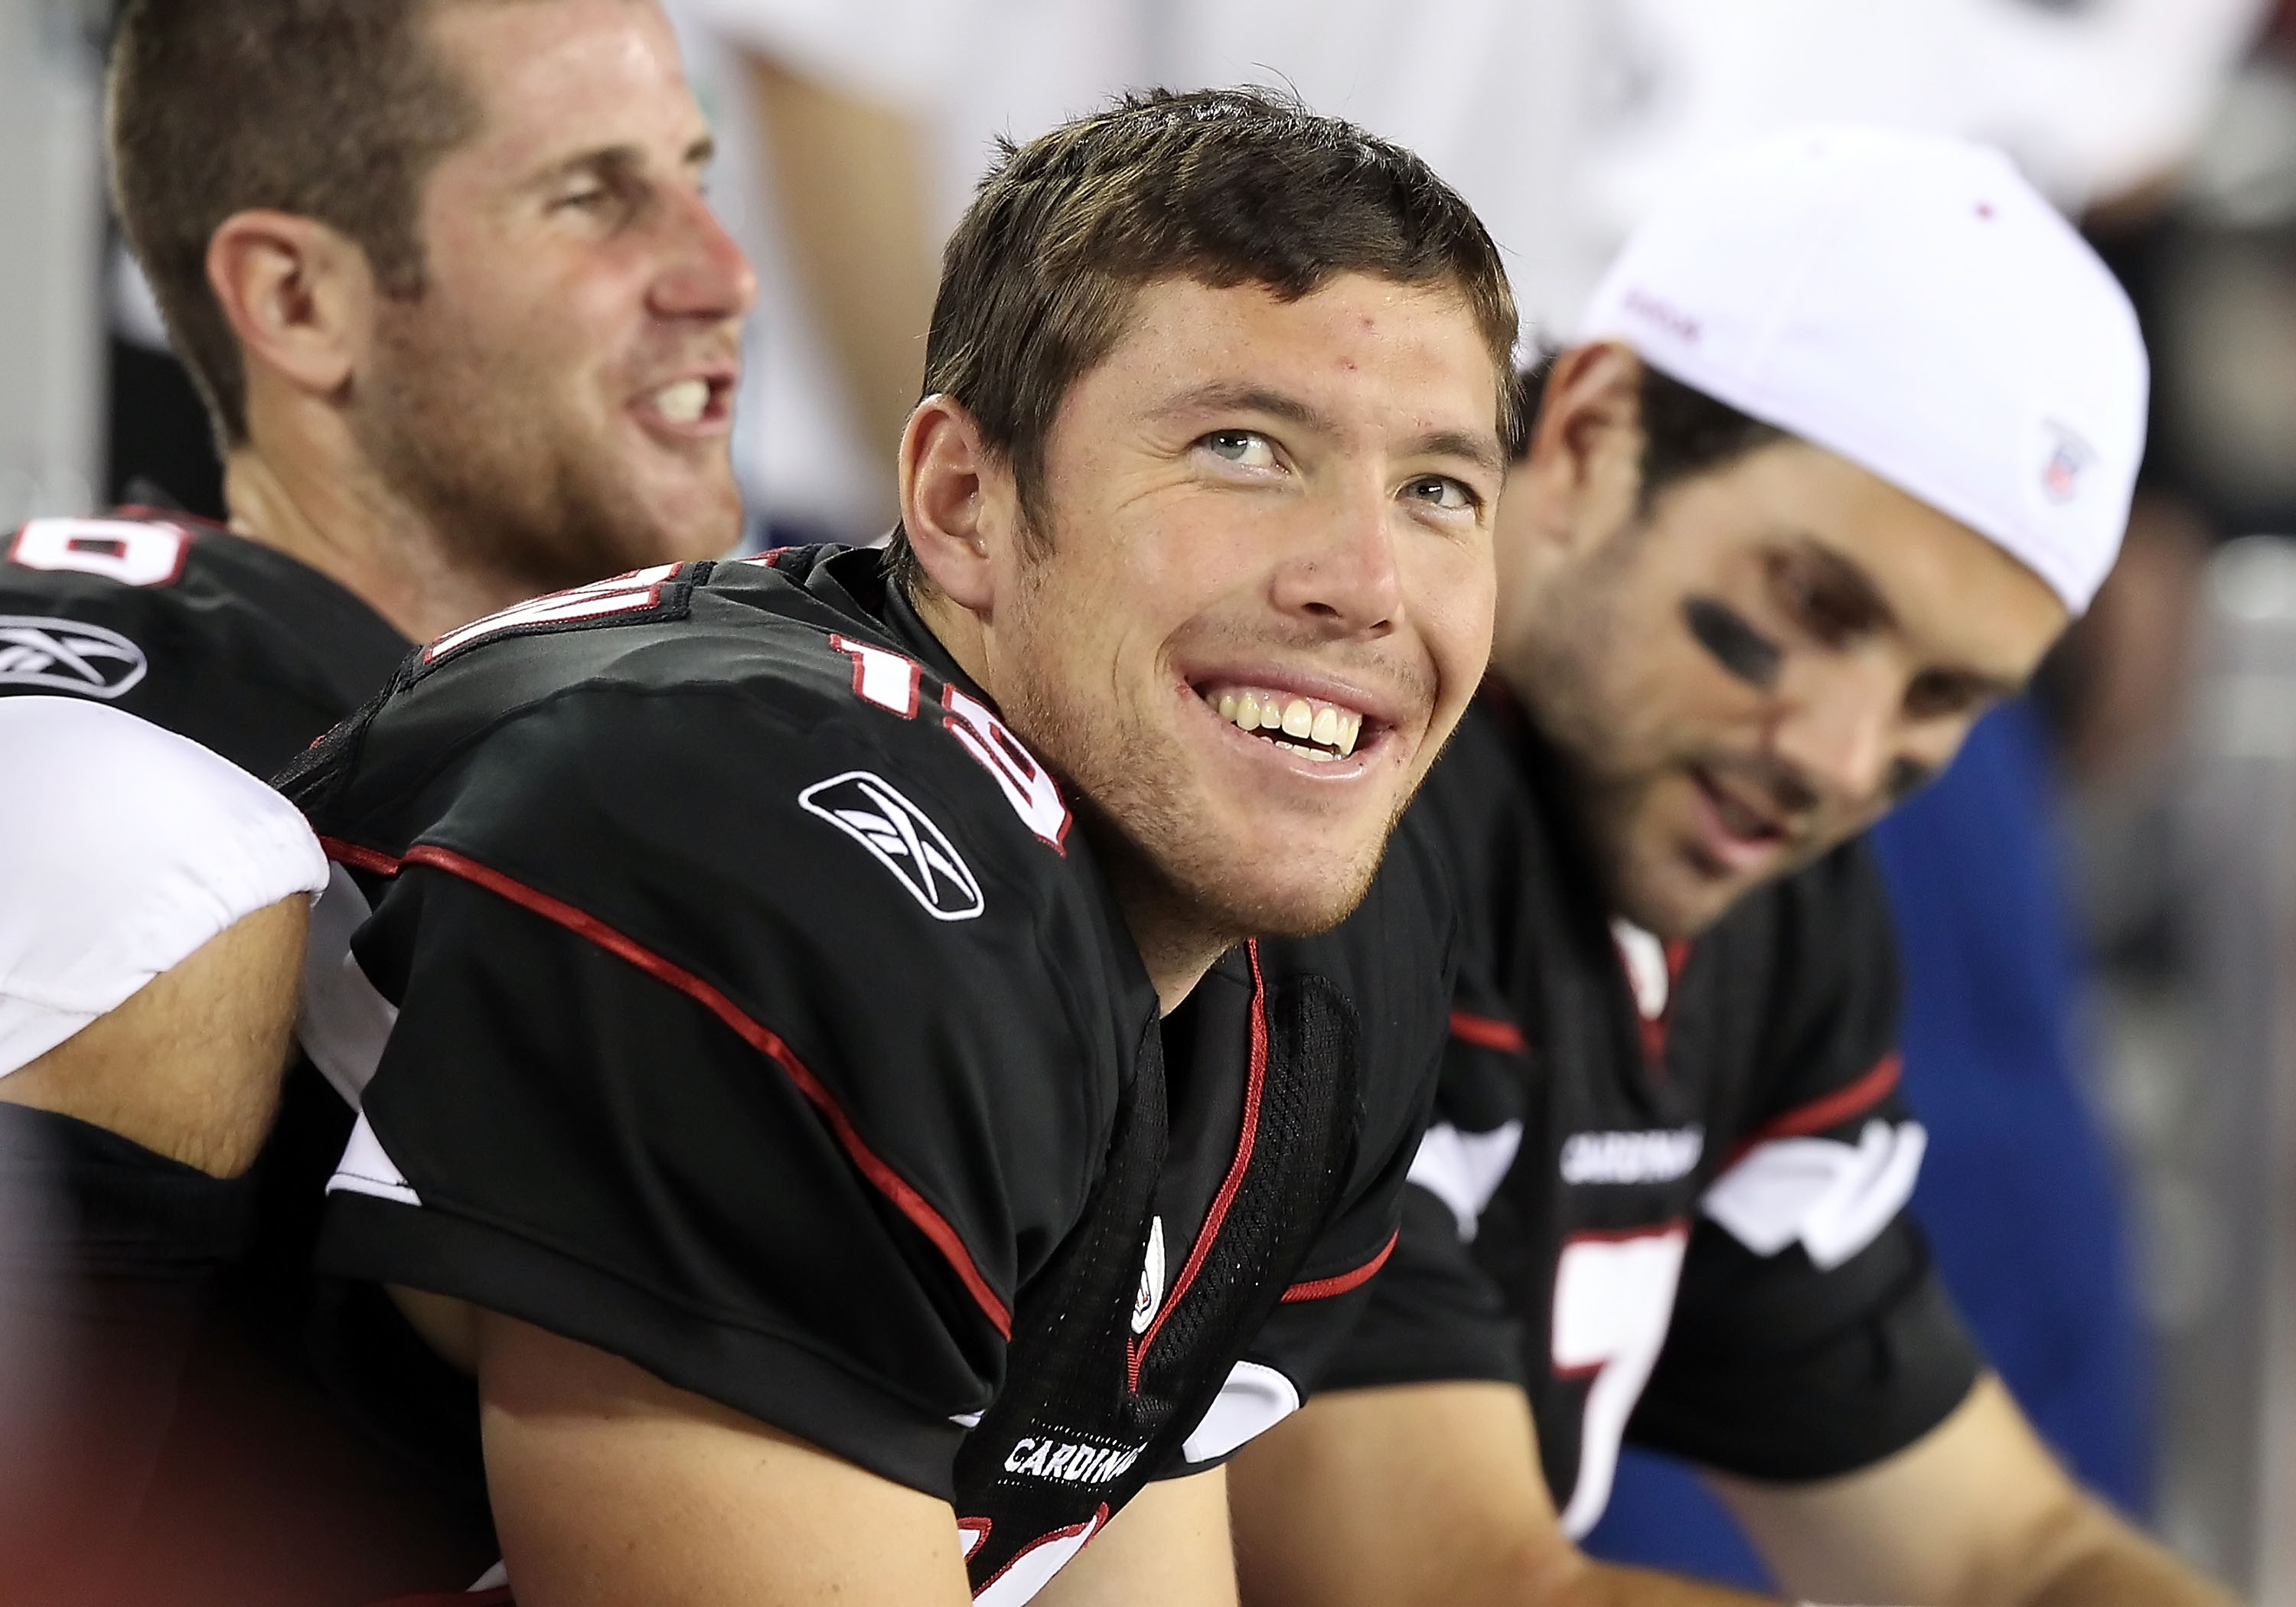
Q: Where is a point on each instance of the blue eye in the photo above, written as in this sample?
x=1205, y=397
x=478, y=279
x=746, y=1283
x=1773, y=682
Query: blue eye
x=1245, y=447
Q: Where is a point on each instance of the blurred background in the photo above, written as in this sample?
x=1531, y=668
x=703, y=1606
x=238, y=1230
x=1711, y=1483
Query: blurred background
x=2098, y=903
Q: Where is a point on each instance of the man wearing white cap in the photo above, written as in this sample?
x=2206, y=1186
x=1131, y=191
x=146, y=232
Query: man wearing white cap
x=1850, y=439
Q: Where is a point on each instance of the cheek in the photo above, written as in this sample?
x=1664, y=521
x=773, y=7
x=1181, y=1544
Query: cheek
x=536, y=310
x=1454, y=593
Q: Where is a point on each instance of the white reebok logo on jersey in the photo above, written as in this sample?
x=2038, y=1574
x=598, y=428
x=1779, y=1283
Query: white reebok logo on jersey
x=903, y=838
x=63, y=655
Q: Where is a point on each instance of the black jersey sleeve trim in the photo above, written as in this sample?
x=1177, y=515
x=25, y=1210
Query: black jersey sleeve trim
x=905, y=1199
x=1829, y=1111
x=1323, y=1289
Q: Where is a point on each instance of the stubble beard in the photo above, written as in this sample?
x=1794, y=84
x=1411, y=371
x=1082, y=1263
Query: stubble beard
x=1560, y=678
x=1172, y=875
x=465, y=439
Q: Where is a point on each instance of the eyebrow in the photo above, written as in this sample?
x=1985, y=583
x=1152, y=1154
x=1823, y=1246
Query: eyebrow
x=1839, y=569
x=620, y=160
x=1222, y=396
x=1847, y=576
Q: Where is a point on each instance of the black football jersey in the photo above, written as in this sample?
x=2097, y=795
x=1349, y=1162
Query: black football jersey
x=1663, y=1187
x=242, y=649
x=729, y=991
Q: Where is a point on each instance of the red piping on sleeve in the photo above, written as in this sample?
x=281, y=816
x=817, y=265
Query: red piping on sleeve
x=1323, y=1289
x=887, y=1182
x=1488, y=1032
x=357, y=857
x=1829, y=1110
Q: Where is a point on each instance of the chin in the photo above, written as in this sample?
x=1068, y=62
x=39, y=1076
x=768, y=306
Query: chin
x=1298, y=904
x=1672, y=898
x=691, y=522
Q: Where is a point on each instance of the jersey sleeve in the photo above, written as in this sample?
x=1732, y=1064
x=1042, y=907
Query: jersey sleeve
x=123, y=848
x=1380, y=1289
x=178, y=626
x=1811, y=1336
x=730, y=1047
x=1434, y=1314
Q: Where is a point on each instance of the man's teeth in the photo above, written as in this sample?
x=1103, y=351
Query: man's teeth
x=1334, y=731
x=682, y=403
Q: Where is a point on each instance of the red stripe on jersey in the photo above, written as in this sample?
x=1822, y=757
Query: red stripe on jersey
x=1139, y=1348
x=888, y=1181
x=1830, y=1110
x=357, y=857
x=1323, y=1289
x=1488, y=1032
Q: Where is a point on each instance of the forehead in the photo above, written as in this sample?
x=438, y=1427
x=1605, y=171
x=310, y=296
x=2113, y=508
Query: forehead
x=552, y=77
x=1403, y=354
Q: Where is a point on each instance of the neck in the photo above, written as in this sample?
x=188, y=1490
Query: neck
x=332, y=511
x=1177, y=946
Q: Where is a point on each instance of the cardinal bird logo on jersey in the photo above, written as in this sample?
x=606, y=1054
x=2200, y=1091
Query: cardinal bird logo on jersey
x=902, y=838
x=63, y=655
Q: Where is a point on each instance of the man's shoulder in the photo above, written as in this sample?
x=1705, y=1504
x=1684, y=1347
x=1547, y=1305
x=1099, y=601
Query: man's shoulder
x=217, y=638
x=709, y=759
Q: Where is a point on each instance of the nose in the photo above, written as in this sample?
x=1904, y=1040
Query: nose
x=1344, y=577
x=1838, y=734
x=706, y=275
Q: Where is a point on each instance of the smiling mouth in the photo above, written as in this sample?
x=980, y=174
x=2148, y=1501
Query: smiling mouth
x=687, y=402
x=1324, y=732
x=1748, y=833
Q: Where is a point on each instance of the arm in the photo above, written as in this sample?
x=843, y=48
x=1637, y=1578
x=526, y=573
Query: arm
x=610, y=1486
x=1973, y=1514
x=1416, y=1496
x=190, y=1065
x=1169, y=1546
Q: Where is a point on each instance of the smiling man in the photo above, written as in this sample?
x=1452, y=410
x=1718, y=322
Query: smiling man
x=1851, y=440
x=466, y=329
x=814, y=1062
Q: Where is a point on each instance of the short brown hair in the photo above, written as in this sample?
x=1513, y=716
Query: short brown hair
x=334, y=110
x=1225, y=187
x=1685, y=432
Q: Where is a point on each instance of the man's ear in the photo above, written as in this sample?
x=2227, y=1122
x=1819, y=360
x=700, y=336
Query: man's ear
x=958, y=501
x=1586, y=450
x=299, y=295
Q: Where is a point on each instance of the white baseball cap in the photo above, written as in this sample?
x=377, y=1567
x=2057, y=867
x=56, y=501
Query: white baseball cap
x=1910, y=303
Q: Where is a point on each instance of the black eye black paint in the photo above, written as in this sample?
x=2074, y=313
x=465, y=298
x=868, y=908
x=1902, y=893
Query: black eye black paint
x=1737, y=646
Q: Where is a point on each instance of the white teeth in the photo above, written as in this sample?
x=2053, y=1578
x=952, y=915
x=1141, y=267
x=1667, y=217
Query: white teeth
x=1326, y=727
x=682, y=403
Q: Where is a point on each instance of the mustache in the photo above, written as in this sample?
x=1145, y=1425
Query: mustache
x=1406, y=683
x=669, y=350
